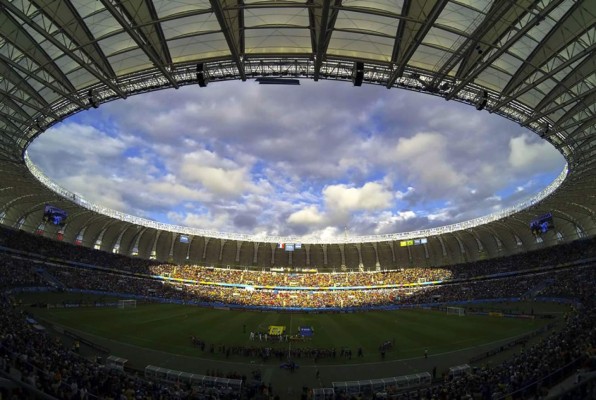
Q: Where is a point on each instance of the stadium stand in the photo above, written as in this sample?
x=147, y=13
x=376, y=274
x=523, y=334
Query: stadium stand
x=53, y=369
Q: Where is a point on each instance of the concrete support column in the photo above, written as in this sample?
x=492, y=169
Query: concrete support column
x=377, y=263
x=273, y=246
x=255, y=254
x=360, y=263
x=205, y=248
x=238, y=246
x=171, y=253
x=392, y=252
x=221, y=247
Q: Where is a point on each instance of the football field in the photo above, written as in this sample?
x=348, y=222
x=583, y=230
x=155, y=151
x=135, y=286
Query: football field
x=169, y=328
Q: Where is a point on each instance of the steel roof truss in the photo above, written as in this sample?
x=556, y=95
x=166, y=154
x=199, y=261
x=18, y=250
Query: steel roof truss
x=14, y=32
x=555, y=107
x=563, y=34
x=17, y=80
x=118, y=12
x=586, y=68
x=478, y=68
x=44, y=82
x=427, y=11
x=229, y=20
x=65, y=15
x=63, y=48
x=146, y=20
x=487, y=34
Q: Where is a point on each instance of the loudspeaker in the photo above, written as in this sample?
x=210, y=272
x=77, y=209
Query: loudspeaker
x=358, y=74
x=201, y=78
x=481, y=100
x=92, y=99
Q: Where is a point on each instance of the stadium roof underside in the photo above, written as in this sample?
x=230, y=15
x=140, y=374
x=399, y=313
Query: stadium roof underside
x=530, y=61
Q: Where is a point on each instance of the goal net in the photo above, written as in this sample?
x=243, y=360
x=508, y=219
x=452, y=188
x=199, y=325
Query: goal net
x=127, y=304
x=456, y=311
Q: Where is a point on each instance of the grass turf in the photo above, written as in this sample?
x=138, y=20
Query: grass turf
x=168, y=327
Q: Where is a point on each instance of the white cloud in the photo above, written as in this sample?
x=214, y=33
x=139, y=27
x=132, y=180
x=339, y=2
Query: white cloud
x=423, y=157
x=273, y=160
x=343, y=198
x=531, y=155
x=400, y=195
x=307, y=216
x=177, y=192
x=200, y=221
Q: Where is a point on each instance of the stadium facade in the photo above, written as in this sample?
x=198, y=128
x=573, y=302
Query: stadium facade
x=530, y=61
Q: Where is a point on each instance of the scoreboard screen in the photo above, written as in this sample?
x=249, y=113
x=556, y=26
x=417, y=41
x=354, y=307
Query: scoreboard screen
x=542, y=224
x=54, y=215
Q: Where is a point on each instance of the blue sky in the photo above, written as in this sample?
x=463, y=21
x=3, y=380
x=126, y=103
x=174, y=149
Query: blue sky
x=312, y=160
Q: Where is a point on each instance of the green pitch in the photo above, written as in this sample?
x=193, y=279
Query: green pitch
x=170, y=327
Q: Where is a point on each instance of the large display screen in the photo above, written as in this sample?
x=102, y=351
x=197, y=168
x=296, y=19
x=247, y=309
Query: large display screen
x=542, y=224
x=54, y=215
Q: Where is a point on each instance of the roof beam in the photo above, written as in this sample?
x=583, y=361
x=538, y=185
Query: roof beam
x=476, y=69
x=552, y=73
x=588, y=123
x=569, y=28
x=229, y=21
x=116, y=9
x=414, y=33
x=555, y=107
x=401, y=27
x=64, y=49
x=498, y=20
x=585, y=69
x=57, y=89
x=17, y=100
x=14, y=32
x=17, y=80
x=64, y=15
x=324, y=17
x=11, y=104
x=12, y=117
x=585, y=102
x=146, y=20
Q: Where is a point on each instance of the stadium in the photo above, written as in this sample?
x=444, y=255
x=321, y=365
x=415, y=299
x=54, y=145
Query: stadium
x=98, y=303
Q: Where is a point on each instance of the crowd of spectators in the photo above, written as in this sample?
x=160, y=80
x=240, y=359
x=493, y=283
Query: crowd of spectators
x=44, y=363
x=401, y=276
x=98, y=280
x=528, y=372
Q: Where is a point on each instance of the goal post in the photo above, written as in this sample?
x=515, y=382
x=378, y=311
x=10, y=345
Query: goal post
x=456, y=311
x=127, y=304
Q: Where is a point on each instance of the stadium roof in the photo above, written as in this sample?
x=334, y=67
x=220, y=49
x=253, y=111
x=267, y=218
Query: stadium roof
x=530, y=61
